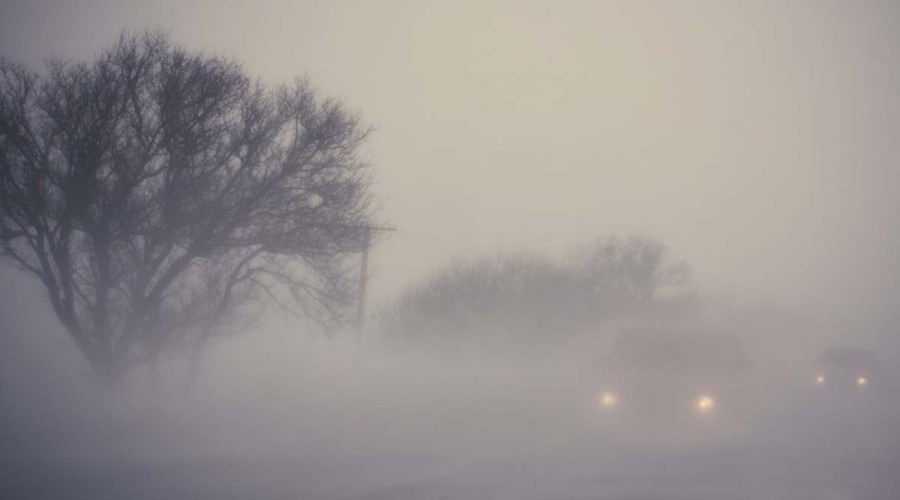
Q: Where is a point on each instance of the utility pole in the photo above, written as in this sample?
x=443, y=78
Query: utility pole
x=363, y=276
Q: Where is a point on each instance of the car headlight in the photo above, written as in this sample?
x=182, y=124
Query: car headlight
x=705, y=404
x=607, y=399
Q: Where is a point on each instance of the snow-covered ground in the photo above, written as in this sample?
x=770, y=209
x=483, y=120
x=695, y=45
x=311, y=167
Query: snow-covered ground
x=566, y=474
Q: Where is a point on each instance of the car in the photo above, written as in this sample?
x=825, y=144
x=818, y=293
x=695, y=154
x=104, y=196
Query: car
x=848, y=370
x=843, y=391
x=658, y=381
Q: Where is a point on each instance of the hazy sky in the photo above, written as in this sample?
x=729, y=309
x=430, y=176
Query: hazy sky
x=757, y=139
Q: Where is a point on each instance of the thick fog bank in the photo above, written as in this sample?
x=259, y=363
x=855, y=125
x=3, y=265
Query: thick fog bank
x=279, y=412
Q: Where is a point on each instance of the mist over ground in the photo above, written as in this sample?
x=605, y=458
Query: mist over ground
x=316, y=417
x=755, y=140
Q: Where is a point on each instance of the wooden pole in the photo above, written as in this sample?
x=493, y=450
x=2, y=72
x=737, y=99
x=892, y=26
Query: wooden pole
x=363, y=275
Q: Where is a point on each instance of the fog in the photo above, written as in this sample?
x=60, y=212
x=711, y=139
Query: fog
x=756, y=141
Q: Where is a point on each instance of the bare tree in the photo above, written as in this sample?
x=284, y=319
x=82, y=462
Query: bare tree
x=618, y=271
x=160, y=195
x=505, y=297
x=523, y=298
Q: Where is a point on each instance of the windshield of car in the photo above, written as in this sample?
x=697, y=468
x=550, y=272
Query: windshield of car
x=677, y=352
x=850, y=359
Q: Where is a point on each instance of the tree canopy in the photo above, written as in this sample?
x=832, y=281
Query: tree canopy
x=159, y=195
x=526, y=298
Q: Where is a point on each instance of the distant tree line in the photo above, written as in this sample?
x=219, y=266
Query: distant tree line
x=524, y=297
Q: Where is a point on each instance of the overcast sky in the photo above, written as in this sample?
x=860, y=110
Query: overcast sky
x=757, y=139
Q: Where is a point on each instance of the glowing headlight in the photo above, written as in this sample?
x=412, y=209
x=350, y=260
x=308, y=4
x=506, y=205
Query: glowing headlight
x=820, y=380
x=861, y=382
x=705, y=404
x=607, y=400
